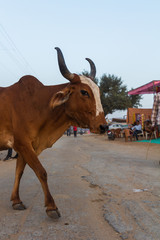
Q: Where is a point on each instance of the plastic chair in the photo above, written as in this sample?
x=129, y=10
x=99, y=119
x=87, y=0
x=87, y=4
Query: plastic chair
x=141, y=134
x=153, y=133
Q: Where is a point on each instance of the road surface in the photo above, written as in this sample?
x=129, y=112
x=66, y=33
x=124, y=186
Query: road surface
x=105, y=190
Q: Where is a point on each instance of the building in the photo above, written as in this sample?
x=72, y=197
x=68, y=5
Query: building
x=141, y=114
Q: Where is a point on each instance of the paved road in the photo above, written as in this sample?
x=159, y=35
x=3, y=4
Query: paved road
x=95, y=184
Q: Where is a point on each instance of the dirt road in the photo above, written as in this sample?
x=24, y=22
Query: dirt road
x=104, y=190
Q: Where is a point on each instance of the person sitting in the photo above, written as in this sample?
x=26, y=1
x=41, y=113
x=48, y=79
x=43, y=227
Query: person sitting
x=148, y=127
x=137, y=129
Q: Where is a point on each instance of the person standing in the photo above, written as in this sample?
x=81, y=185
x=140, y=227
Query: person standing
x=9, y=155
x=75, y=131
x=68, y=131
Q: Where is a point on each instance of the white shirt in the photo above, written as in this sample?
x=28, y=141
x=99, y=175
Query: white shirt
x=137, y=127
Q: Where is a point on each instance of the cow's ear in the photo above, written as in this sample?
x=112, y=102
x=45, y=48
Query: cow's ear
x=60, y=97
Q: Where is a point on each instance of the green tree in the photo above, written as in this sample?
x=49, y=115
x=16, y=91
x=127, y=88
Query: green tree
x=114, y=95
x=135, y=100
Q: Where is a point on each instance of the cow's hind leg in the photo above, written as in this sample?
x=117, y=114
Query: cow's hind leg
x=17, y=203
x=32, y=160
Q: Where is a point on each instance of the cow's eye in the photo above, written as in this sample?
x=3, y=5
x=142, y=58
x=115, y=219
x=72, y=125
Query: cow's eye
x=85, y=93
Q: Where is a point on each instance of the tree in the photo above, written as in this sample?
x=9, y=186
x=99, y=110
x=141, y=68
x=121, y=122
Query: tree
x=135, y=100
x=114, y=95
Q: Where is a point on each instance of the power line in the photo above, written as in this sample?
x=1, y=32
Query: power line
x=14, y=52
x=13, y=58
x=8, y=70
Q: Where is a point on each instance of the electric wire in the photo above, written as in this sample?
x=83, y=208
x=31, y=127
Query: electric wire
x=14, y=53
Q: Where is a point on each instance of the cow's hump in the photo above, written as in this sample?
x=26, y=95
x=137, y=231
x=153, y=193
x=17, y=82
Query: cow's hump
x=29, y=84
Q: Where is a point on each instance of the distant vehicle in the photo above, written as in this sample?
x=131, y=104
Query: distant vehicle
x=117, y=125
x=81, y=131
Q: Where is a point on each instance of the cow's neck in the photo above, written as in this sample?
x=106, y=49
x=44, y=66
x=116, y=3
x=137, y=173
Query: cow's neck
x=51, y=130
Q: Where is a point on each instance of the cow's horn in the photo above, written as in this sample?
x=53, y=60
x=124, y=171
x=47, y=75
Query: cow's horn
x=93, y=69
x=62, y=66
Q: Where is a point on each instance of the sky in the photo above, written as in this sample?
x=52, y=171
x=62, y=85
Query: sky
x=122, y=37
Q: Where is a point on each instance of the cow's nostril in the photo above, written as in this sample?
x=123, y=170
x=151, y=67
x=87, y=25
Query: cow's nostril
x=103, y=128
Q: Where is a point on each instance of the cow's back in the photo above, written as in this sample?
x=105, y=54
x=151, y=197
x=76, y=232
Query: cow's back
x=24, y=110
x=19, y=107
x=20, y=96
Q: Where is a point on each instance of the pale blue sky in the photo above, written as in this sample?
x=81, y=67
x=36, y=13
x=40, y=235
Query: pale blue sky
x=122, y=37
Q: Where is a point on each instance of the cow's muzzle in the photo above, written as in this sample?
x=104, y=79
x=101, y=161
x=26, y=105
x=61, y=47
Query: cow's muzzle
x=103, y=128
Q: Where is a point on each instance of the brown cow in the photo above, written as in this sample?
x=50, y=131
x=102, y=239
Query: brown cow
x=33, y=117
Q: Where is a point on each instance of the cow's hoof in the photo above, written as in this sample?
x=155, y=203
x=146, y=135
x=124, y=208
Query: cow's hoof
x=53, y=213
x=19, y=206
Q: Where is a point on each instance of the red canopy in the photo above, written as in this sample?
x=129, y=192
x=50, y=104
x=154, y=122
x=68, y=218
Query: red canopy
x=145, y=89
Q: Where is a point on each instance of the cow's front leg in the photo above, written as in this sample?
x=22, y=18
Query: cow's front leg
x=32, y=160
x=17, y=203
